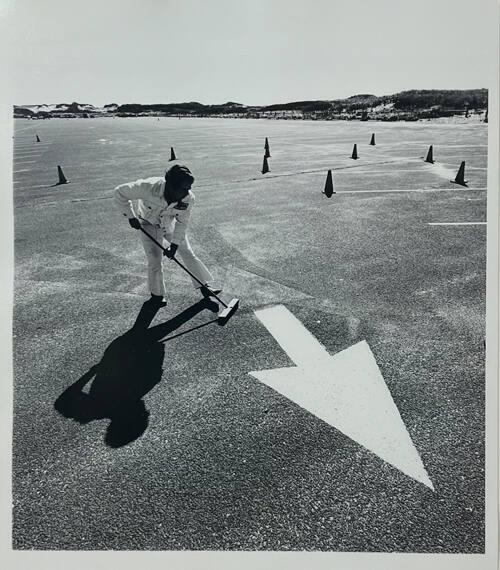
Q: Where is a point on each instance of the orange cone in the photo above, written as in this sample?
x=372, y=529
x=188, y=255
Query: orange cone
x=355, y=152
x=266, y=147
x=172, y=154
x=265, y=166
x=372, y=141
x=38, y=138
x=429, y=157
x=328, y=191
x=460, y=177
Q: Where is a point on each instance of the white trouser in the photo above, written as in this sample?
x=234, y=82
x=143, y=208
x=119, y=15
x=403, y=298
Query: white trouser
x=155, y=257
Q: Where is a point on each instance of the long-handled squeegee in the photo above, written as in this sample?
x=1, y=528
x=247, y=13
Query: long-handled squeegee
x=229, y=309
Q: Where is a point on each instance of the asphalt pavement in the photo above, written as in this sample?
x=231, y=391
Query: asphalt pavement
x=148, y=432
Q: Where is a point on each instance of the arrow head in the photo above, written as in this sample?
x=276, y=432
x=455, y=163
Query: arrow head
x=348, y=392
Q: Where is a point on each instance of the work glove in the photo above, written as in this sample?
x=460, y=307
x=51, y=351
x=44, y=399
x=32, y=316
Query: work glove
x=170, y=251
x=135, y=223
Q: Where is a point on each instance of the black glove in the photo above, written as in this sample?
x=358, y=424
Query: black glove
x=170, y=252
x=135, y=223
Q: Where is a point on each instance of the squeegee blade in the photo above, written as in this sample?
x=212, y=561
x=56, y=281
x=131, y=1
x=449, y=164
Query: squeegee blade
x=228, y=312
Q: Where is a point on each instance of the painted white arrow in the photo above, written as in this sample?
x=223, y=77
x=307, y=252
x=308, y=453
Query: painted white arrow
x=346, y=390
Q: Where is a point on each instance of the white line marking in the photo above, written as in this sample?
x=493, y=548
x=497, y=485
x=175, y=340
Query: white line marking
x=424, y=143
x=29, y=147
x=445, y=146
x=357, y=172
x=468, y=166
x=457, y=224
x=29, y=142
x=346, y=390
x=37, y=186
x=17, y=171
x=453, y=189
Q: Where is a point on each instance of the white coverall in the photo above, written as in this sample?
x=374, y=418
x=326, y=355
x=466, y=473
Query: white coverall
x=161, y=220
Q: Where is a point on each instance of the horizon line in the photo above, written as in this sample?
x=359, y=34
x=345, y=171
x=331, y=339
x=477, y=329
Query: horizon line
x=260, y=105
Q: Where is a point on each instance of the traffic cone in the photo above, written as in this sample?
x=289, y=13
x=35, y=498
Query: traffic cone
x=460, y=177
x=355, y=152
x=372, y=142
x=429, y=157
x=62, y=178
x=486, y=117
x=172, y=154
x=328, y=191
x=266, y=146
x=265, y=166
x=38, y=139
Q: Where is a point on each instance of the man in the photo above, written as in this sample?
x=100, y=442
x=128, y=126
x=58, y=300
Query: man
x=163, y=209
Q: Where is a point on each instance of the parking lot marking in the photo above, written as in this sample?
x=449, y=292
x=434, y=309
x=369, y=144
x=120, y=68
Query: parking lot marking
x=30, y=188
x=345, y=390
x=469, y=167
x=415, y=190
x=30, y=146
x=456, y=223
x=368, y=172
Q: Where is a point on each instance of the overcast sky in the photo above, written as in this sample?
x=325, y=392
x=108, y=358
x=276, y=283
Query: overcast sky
x=248, y=51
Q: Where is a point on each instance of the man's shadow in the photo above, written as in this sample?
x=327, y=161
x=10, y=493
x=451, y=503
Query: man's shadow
x=130, y=367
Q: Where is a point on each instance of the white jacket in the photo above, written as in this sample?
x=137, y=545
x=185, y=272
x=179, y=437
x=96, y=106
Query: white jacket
x=150, y=205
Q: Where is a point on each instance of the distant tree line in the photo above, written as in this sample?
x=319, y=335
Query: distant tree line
x=181, y=108
x=406, y=105
x=404, y=101
x=410, y=100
